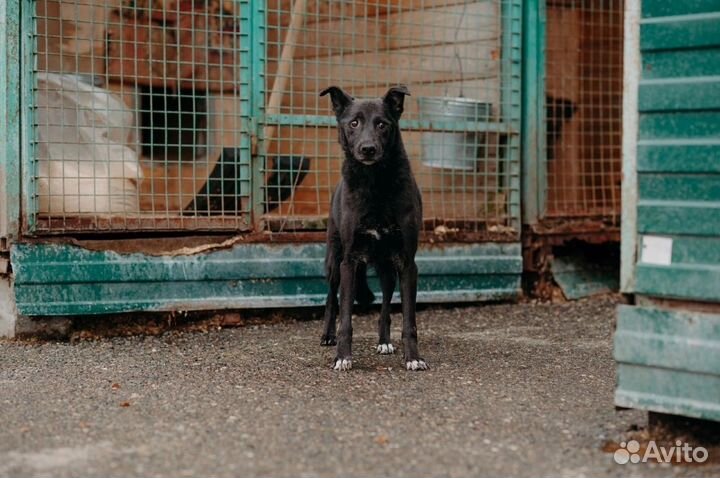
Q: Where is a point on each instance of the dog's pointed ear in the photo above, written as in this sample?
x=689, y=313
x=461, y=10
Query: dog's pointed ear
x=340, y=99
x=395, y=99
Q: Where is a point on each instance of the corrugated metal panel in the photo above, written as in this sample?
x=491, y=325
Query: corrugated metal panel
x=668, y=361
x=56, y=279
x=678, y=155
x=668, y=351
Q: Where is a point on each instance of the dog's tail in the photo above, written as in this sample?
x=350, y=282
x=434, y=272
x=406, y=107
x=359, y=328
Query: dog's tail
x=363, y=295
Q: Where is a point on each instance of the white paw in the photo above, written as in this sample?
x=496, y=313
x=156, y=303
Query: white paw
x=343, y=364
x=385, y=349
x=418, y=364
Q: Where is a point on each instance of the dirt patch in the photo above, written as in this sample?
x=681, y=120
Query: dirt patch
x=669, y=440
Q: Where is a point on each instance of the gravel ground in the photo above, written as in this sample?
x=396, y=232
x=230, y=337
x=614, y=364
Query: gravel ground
x=513, y=390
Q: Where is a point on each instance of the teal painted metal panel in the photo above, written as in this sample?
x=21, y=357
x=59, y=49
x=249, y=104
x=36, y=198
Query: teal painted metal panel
x=696, y=250
x=680, y=63
x=534, y=177
x=668, y=391
x=678, y=217
x=678, y=155
x=578, y=277
x=680, y=94
x=667, y=338
x=693, y=271
x=668, y=361
x=53, y=279
x=683, y=125
x=680, y=32
x=689, y=187
x=672, y=157
x=664, y=8
x=681, y=281
x=669, y=358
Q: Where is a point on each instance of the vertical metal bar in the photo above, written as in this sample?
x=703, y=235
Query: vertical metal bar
x=540, y=105
x=28, y=169
x=514, y=83
x=631, y=79
x=247, y=101
x=10, y=121
x=257, y=45
x=531, y=124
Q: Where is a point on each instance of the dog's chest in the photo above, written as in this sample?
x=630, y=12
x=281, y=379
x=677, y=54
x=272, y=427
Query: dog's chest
x=378, y=241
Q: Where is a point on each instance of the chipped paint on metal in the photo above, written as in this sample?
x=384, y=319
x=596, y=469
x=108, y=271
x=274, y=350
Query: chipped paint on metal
x=668, y=361
x=667, y=348
x=60, y=279
x=8, y=312
x=9, y=119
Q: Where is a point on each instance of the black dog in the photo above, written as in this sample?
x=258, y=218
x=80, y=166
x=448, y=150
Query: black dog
x=375, y=219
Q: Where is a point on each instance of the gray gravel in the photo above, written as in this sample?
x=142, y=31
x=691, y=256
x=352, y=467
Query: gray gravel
x=513, y=390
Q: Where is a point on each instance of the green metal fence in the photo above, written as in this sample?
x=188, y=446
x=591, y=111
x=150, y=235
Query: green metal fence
x=183, y=115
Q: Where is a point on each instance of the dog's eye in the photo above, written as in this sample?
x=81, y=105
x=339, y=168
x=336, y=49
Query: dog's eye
x=354, y=123
x=381, y=125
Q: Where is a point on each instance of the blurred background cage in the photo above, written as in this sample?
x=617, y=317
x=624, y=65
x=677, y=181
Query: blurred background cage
x=583, y=107
x=572, y=117
x=577, y=151
x=204, y=115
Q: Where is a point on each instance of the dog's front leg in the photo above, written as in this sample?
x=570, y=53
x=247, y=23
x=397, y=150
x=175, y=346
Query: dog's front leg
x=408, y=293
x=387, y=275
x=343, y=360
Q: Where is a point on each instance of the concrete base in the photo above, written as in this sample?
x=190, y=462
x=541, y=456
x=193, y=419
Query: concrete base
x=8, y=312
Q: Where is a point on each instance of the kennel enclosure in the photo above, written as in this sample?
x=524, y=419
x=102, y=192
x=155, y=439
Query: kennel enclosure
x=175, y=155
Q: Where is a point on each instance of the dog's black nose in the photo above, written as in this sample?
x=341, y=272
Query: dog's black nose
x=368, y=150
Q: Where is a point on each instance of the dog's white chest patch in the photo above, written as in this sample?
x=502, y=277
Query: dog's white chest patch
x=374, y=233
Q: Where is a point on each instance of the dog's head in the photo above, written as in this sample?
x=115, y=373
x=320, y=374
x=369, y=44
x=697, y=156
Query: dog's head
x=368, y=128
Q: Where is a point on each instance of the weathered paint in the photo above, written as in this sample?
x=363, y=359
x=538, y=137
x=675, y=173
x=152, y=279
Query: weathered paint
x=512, y=13
x=56, y=279
x=668, y=361
x=578, y=277
x=629, y=188
x=668, y=351
x=9, y=119
x=678, y=148
x=254, y=18
x=8, y=312
x=26, y=88
x=533, y=110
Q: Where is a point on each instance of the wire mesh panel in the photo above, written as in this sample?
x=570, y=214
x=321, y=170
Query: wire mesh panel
x=460, y=61
x=583, y=108
x=139, y=115
x=147, y=111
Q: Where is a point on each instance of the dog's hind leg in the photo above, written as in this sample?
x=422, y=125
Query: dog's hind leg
x=363, y=295
x=387, y=275
x=408, y=293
